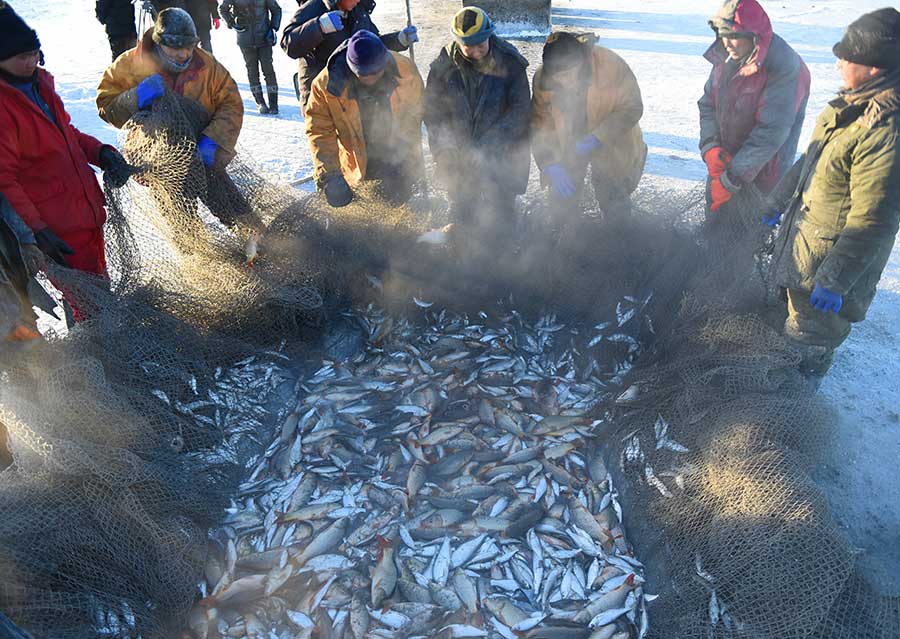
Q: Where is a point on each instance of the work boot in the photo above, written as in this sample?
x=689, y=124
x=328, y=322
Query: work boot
x=273, y=101
x=260, y=101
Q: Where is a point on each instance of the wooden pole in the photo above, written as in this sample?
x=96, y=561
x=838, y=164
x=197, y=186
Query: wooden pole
x=412, y=53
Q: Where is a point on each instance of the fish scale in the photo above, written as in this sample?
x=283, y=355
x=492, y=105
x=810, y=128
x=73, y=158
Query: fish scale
x=396, y=449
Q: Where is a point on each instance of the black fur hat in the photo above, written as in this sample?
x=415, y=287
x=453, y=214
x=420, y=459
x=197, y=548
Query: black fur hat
x=872, y=40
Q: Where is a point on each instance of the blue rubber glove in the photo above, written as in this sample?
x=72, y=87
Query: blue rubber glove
x=560, y=180
x=409, y=35
x=332, y=22
x=150, y=90
x=772, y=219
x=587, y=145
x=206, y=147
x=826, y=301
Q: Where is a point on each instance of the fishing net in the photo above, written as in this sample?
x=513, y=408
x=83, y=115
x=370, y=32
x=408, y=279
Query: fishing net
x=134, y=431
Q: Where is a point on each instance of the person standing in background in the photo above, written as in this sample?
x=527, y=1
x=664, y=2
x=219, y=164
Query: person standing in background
x=319, y=27
x=257, y=23
x=117, y=16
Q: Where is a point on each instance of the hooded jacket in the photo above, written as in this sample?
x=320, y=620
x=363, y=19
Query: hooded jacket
x=304, y=39
x=255, y=17
x=498, y=124
x=842, y=199
x=205, y=82
x=614, y=108
x=334, y=123
x=754, y=110
x=44, y=166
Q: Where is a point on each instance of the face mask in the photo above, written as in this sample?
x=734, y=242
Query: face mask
x=169, y=64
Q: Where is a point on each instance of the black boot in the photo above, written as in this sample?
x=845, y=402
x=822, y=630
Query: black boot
x=260, y=101
x=273, y=101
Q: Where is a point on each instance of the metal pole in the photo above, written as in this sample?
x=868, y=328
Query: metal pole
x=412, y=53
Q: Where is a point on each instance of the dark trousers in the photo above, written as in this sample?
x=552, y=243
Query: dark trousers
x=256, y=58
x=205, y=40
x=120, y=45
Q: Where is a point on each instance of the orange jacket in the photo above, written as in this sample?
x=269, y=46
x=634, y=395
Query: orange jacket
x=614, y=108
x=334, y=124
x=205, y=81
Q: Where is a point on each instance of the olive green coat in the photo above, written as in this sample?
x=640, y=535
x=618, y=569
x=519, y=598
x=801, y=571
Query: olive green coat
x=842, y=201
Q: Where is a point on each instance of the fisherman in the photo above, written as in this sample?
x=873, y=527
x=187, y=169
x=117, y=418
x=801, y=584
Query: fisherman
x=257, y=22
x=168, y=60
x=753, y=106
x=117, y=17
x=585, y=112
x=841, y=200
x=204, y=13
x=477, y=111
x=44, y=159
x=364, y=121
x=320, y=26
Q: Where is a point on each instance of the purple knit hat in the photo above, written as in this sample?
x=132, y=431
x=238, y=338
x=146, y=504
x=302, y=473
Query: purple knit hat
x=366, y=53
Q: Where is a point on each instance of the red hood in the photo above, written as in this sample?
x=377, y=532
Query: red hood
x=746, y=16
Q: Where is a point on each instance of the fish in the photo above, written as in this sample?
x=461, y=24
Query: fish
x=445, y=481
x=251, y=248
x=384, y=576
x=436, y=237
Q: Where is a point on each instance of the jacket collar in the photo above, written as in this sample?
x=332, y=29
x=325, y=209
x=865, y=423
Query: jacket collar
x=504, y=54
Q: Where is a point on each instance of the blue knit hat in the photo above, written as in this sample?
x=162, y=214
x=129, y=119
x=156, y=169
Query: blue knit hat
x=366, y=53
x=15, y=36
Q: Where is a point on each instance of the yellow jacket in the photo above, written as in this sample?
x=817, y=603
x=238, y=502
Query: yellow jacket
x=334, y=124
x=614, y=108
x=205, y=82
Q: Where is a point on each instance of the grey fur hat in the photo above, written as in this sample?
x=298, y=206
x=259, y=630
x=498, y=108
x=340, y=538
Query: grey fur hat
x=175, y=28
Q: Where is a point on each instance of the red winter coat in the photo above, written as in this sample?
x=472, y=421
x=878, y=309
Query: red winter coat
x=754, y=112
x=44, y=170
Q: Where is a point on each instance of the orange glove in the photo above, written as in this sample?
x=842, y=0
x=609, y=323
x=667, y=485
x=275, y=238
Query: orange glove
x=720, y=195
x=717, y=160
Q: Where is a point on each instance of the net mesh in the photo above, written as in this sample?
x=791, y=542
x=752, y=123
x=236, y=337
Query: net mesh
x=131, y=430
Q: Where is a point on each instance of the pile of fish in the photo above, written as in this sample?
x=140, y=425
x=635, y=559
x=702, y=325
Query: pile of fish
x=446, y=482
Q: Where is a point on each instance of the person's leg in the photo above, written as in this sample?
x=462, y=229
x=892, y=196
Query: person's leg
x=814, y=333
x=205, y=40
x=251, y=62
x=268, y=69
x=612, y=197
x=119, y=45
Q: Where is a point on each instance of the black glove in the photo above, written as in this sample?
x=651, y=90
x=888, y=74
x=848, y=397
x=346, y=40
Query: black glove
x=54, y=247
x=115, y=169
x=338, y=192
